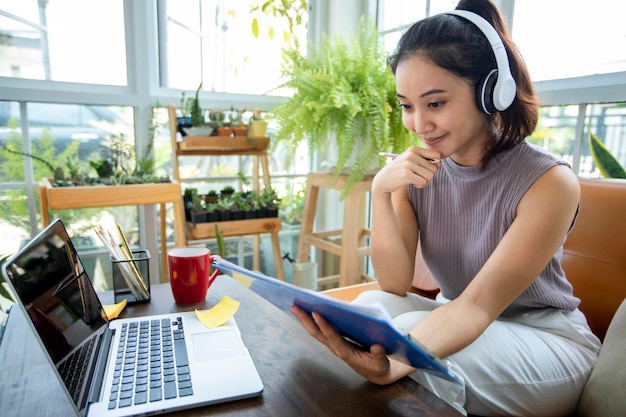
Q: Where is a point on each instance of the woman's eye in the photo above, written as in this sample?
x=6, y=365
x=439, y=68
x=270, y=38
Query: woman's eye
x=405, y=106
x=435, y=104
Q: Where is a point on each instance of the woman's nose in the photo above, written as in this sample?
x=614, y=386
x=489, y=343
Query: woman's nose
x=419, y=123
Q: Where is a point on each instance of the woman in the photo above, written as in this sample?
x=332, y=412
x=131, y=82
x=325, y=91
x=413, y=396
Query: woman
x=491, y=213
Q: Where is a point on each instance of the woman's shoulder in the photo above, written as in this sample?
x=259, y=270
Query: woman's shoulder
x=535, y=152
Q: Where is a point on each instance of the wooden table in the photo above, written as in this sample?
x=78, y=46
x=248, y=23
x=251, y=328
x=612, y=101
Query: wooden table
x=62, y=198
x=300, y=376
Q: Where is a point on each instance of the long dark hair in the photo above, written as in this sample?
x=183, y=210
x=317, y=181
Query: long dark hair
x=458, y=46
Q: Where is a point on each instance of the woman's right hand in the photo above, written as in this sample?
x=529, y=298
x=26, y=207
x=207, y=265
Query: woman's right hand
x=374, y=365
x=415, y=166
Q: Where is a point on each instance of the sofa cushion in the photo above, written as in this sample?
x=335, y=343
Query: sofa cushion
x=604, y=393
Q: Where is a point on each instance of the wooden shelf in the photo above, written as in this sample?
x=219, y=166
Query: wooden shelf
x=234, y=227
x=63, y=198
x=227, y=145
x=221, y=145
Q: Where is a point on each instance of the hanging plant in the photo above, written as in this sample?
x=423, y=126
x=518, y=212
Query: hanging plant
x=348, y=93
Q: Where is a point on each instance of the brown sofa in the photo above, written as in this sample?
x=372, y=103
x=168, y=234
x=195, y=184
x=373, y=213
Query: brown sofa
x=594, y=256
x=594, y=260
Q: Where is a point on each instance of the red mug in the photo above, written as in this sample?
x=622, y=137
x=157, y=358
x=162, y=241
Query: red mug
x=189, y=273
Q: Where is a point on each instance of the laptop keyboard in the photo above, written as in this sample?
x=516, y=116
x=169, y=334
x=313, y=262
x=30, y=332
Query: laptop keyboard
x=74, y=369
x=151, y=363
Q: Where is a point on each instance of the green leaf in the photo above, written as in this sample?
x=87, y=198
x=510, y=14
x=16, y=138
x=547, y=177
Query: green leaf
x=255, y=28
x=608, y=165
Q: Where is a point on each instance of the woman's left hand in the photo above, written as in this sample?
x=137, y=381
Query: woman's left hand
x=373, y=365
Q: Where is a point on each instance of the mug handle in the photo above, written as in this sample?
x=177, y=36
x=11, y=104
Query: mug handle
x=214, y=274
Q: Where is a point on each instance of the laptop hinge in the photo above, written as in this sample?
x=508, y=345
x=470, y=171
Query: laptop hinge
x=101, y=364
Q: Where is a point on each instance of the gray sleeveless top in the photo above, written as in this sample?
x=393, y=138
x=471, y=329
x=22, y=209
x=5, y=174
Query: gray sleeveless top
x=464, y=213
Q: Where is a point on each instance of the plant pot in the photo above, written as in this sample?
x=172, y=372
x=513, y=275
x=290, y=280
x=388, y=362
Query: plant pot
x=240, y=130
x=186, y=202
x=210, y=199
x=237, y=215
x=224, y=131
x=272, y=212
x=181, y=123
x=199, y=217
x=214, y=217
x=198, y=130
x=261, y=213
x=249, y=214
x=225, y=216
x=257, y=129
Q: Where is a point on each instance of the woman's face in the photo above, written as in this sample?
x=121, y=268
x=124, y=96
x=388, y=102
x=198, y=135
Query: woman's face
x=441, y=109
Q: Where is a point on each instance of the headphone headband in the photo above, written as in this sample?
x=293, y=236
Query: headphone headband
x=504, y=89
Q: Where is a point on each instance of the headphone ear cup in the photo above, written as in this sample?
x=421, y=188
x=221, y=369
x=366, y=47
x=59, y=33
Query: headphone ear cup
x=484, y=92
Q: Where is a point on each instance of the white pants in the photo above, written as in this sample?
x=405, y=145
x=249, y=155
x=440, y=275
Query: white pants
x=533, y=365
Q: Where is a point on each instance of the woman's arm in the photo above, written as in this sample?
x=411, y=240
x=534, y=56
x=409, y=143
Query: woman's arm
x=543, y=218
x=395, y=228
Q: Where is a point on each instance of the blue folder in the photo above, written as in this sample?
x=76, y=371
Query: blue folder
x=362, y=325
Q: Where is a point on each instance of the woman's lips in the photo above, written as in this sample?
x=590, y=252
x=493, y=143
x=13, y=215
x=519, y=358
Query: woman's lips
x=433, y=141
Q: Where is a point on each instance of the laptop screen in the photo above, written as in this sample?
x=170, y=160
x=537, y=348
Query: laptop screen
x=52, y=284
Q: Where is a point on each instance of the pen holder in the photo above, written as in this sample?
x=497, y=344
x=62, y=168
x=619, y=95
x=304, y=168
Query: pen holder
x=121, y=288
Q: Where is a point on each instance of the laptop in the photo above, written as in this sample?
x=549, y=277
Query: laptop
x=136, y=366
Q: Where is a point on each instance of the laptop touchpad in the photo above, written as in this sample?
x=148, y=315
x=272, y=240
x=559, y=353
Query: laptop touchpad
x=217, y=345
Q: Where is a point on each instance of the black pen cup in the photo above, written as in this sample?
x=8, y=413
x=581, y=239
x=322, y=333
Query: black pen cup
x=121, y=289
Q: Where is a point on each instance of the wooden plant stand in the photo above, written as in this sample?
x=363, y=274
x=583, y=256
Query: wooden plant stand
x=63, y=198
x=226, y=145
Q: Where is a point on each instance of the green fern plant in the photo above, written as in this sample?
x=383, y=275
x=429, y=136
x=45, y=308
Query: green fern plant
x=346, y=92
x=608, y=165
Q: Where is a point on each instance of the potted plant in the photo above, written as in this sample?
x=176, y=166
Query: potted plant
x=246, y=204
x=225, y=205
x=257, y=127
x=212, y=212
x=227, y=191
x=237, y=209
x=188, y=198
x=196, y=116
x=198, y=212
x=225, y=128
x=217, y=119
x=236, y=121
x=270, y=201
x=346, y=95
x=211, y=197
x=258, y=204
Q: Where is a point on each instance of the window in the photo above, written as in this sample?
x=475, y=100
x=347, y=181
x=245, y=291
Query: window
x=68, y=136
x=211, y=41
x=396, y=16
x=558, y=127
x=570, y=38
x=63, y=40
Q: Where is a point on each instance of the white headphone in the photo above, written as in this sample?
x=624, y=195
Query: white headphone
x=497, y=90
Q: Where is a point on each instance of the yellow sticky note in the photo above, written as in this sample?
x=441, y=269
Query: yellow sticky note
x=114, y=310
x=219, y=314
x=242, y=279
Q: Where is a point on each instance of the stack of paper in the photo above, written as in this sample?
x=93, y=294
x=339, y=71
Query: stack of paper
x=117, y=244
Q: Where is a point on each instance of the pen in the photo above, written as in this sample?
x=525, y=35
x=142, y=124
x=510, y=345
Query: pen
x=395, y=155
